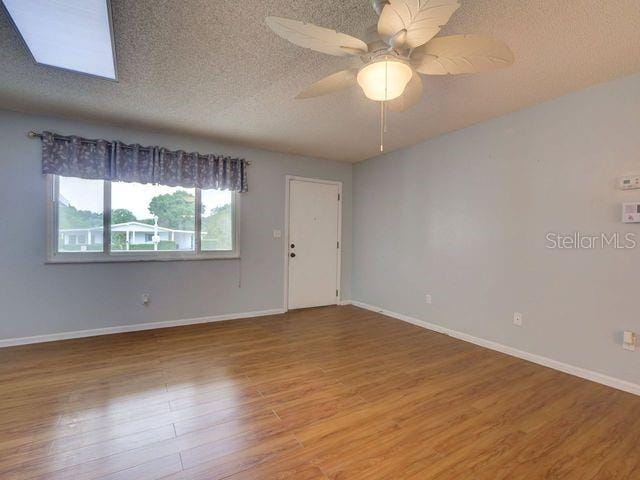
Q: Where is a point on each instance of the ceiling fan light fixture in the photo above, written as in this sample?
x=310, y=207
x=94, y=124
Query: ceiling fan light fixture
x=384, y=78
x=398, y=49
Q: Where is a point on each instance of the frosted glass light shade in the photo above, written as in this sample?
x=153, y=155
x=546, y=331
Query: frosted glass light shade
x=384, y=79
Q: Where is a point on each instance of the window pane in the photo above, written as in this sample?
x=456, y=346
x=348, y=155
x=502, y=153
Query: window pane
x=80, y=206
x=151, y=218
x=217, y=220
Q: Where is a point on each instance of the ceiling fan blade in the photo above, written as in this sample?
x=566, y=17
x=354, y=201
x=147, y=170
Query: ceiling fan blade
x=317, y=38
x=459, y=54
x=330, y=84
x=421, y=19
x=411, y=96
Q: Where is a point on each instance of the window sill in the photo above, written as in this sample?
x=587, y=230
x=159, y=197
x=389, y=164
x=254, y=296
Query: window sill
x=66, y=259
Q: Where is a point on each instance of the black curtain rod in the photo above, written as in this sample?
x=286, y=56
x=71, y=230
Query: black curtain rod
x=32, y=134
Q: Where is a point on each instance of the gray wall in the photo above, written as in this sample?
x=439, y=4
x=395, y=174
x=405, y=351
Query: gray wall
x=39, y=299
x=464, y=218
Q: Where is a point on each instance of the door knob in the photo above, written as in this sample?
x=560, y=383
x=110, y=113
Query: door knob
x=292, y=254
x=293, y=245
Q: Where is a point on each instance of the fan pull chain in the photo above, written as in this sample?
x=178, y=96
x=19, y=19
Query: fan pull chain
x=383, y=122
x=386, y=118
x=382, y=128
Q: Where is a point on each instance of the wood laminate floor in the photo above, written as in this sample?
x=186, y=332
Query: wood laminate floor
x=327, y=393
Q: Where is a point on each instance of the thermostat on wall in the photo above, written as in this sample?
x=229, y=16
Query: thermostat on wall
x=630, y=182
x=631, y=213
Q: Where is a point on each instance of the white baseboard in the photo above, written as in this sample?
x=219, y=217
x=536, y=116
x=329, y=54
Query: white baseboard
x=344, y=302
x=11, y=342
x=532, y=357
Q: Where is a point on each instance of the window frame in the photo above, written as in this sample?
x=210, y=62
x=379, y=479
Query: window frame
x=107, y=256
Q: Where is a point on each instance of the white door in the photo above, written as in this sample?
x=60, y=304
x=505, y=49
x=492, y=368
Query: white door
x=314, y=248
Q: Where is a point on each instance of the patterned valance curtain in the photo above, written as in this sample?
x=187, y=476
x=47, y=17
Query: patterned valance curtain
x=112, y=160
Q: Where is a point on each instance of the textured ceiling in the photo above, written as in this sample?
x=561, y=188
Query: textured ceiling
x=213, y=68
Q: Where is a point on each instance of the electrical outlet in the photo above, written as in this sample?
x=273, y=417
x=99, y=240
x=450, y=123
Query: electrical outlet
x=427, y=298
x=146, y=298
x=517, y=319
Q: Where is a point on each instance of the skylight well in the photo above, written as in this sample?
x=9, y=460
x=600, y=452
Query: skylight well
x=74, y=35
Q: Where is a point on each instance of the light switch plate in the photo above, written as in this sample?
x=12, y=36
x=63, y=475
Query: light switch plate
x=277, y=233
x=629, y=340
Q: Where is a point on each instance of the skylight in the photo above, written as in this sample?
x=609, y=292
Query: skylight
x=71, y=34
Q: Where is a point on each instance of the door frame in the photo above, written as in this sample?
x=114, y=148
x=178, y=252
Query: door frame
x=288, y=179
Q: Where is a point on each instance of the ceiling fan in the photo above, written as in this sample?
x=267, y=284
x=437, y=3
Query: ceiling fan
x=403, y=47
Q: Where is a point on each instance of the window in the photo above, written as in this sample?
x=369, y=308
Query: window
x=80, y=214
x=141, y=221
x=150, y=218
x=217, y=220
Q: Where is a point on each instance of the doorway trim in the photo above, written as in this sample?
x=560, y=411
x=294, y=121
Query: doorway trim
x=288, y=179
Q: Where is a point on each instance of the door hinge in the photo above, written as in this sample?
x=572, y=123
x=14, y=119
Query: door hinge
x=336, y=293
x=337, y=244
x=338, y=197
